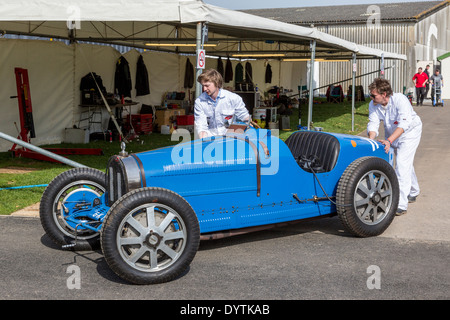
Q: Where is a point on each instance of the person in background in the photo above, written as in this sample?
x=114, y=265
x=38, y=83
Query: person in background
x=437, y=83
x=420, y=80
x=402, y=129
x=427, y=85
x=216, y=108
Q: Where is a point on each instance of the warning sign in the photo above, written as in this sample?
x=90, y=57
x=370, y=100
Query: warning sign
x=201, y=59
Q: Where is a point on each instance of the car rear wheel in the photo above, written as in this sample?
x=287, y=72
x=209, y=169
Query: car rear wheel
x=367, y=196
x=150, y=236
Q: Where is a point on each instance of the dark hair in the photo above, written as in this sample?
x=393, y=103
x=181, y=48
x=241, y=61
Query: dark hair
x=381, y=85
x=213, y=76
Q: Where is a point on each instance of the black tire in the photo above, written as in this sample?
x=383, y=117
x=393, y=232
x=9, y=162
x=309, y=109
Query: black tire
x=367, y=196
x=56, y=227
x=150, y=236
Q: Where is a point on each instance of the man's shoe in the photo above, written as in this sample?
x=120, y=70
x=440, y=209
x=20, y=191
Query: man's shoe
x=412, y=199
x=400, y=212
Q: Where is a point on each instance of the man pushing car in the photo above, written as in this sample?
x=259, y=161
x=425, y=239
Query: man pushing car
x=403, y=130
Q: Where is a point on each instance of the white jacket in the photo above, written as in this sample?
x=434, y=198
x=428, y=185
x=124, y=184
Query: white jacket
x=398, y=113
x=214, y=117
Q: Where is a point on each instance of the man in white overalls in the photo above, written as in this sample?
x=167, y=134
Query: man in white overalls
x=403, y=130
x=216, y=108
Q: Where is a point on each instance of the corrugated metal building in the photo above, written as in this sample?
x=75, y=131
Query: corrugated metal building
x=420, y=30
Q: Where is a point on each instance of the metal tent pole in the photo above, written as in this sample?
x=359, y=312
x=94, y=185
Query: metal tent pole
x=353, y=90
x=311, y=78
x=198, y=87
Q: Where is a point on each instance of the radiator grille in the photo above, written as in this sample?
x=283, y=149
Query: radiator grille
x=115, y=180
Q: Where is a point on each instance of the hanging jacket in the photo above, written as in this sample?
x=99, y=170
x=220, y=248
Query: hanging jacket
x=122, y=78
x=142, y=83
x=239, y=74
x=228, y=71
x=189, y=75
x=268, y=76
x=220, y=67
x=248, y=73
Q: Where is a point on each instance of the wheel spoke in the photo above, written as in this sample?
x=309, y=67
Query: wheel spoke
x=380, y=183
x=363, y=189
x=174, y=235
x=167, y=250
x=382, y=206
x=362, y=202
x=167, y=220
x=150, y=217
x=385, y=193
x=136, y=226
x=130, y=241
x=371, y=181
x=366, y=212
x=153, y=259
x=138, y=254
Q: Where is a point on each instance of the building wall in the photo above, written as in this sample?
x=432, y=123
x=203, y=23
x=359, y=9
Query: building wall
x=424, y=40
x=387, y=37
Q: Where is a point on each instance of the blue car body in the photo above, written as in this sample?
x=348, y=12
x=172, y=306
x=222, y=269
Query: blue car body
x=151, y=209
x=244, y=180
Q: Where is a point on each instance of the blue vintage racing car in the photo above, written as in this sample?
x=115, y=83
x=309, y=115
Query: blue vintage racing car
x=151, y=209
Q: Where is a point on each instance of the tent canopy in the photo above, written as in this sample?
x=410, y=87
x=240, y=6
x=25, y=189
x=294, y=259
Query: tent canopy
x=56, y=68
x=166, y=23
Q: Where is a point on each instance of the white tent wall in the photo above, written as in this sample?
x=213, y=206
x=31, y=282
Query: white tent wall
x=55, y=71
x=50, y=72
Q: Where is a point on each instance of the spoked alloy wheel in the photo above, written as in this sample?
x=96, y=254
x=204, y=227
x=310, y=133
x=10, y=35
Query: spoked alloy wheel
x=367, y=196
x=150, y=236
x=72, y=190
x=373, y=197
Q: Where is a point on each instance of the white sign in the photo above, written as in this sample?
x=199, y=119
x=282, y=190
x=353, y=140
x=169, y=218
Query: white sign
x=201, y=59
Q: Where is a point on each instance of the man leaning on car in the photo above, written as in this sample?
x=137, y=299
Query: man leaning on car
x=216, y=108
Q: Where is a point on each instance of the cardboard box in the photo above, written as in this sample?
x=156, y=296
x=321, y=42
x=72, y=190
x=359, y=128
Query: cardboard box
x=74, y=135
x=167, y=116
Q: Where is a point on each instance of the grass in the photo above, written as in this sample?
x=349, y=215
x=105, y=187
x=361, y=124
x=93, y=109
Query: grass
x=332, y=117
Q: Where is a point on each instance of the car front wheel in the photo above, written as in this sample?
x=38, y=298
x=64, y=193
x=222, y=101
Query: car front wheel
x=150, y=236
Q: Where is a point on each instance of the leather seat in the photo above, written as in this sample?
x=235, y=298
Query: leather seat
x=319, y=150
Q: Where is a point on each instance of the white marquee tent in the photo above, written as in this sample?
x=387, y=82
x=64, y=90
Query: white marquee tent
x=56, y=67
